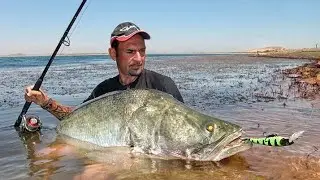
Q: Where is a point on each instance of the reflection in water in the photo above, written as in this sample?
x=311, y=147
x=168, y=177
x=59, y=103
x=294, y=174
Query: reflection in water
x=230, y=168
x=260, y=162
x=39, y=166
x=278, y=164
x=47, y=163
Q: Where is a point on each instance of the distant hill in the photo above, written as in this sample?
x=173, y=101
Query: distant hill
x=267, y=49
x=16, y=55
x=280, y=52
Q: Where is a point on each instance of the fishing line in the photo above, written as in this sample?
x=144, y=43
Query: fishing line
x=81, y=15
x=38, y=83
x=309, y=155
x=265, y=133
x=315, y=150
x=313, y=107
x=67, y=41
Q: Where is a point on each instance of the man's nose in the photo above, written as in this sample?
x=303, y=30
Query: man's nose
x=138, y=56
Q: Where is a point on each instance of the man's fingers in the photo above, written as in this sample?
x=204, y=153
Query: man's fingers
x=27, y=98
x=29, y=90
x=42, y=91
x=38, y=97
x=33, y=96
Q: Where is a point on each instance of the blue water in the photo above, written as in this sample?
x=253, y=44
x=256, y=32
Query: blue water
x=33, y=61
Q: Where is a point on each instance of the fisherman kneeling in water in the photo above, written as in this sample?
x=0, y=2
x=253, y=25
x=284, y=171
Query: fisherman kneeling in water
x=129, y=51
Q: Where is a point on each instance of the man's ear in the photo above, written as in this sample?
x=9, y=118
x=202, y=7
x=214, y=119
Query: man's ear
x=113, y=53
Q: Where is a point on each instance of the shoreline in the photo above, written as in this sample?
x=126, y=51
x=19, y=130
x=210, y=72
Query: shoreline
x=285, y=56
x=305, y=78
x=305, y=53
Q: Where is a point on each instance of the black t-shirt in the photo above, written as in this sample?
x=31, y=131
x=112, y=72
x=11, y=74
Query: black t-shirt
x=147, y=80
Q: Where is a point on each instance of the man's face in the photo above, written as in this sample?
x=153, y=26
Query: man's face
x=131, y=55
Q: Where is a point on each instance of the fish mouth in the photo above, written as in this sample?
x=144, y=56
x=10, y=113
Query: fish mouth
x=228, y=146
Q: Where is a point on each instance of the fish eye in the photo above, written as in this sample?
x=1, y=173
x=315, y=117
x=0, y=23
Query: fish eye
x=210, y=128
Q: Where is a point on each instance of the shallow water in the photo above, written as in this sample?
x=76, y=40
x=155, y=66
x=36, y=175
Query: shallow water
x=225, y=86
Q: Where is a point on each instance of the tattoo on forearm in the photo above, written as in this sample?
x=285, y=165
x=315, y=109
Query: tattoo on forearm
x=56, y=109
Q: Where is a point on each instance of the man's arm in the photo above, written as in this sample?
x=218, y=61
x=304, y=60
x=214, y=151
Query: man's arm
x=56, y=109
x=42, y=99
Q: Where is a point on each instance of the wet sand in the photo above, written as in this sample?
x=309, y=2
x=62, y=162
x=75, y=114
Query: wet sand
x=247, y=91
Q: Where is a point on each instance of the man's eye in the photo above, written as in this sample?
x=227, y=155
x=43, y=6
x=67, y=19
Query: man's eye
x=142, y=51
x=130, y=51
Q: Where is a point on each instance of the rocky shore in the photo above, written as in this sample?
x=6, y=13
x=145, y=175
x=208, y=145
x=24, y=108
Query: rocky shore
x=305, y=78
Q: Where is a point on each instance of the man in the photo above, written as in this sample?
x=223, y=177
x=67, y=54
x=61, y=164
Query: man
x=129, y=51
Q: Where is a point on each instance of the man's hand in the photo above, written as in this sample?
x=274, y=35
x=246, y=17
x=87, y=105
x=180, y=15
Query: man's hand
x=38, y=97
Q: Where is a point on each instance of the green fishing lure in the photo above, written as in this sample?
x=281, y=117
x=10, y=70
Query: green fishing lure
x=275, y=140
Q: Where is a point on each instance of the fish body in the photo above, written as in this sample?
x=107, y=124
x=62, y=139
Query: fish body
x=152, y=122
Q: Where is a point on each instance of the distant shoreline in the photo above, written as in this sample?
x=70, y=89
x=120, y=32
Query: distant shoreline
x=279, y=52
x=40, y=55
x=105, y=54
x=269, y=52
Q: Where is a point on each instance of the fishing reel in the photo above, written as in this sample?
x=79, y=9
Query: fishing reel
x=30, y=123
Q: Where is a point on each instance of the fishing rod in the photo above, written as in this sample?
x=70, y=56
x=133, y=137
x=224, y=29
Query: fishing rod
x=39, y=81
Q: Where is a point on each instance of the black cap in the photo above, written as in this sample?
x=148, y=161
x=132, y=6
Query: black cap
x=126, y=30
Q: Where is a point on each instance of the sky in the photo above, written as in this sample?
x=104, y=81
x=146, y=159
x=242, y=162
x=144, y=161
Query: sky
x=176, y=26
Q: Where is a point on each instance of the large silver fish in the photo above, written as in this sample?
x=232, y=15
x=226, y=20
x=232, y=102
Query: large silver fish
x=154, y=123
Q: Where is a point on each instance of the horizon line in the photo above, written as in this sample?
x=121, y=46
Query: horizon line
x=83, y=54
